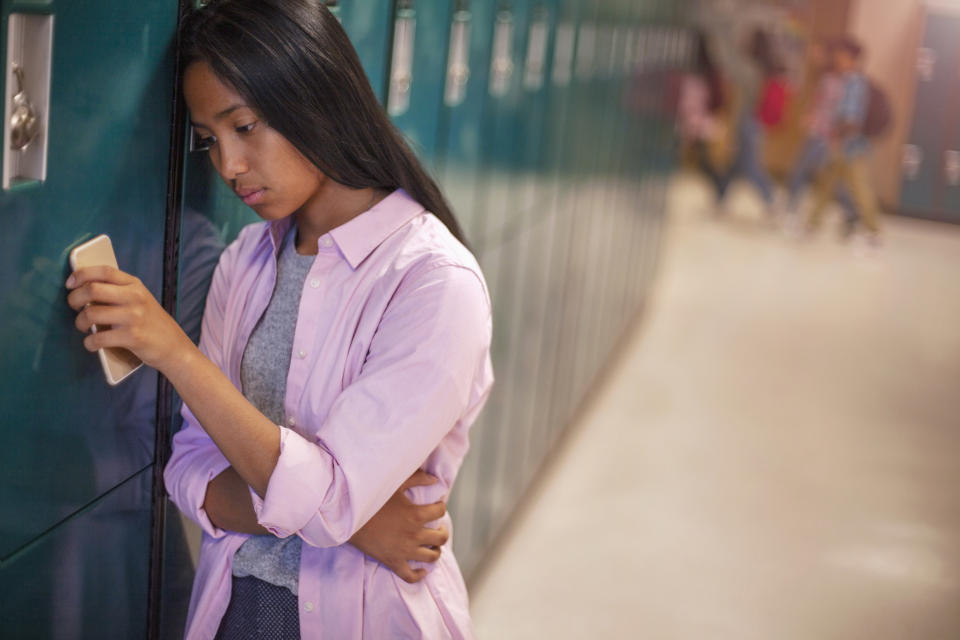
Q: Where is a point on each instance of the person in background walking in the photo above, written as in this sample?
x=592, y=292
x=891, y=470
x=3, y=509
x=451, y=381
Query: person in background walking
x=825, y=88
x=763, y=105
x=847, y=163
x=702, y=119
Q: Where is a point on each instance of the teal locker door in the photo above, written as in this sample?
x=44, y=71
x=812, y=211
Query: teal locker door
x=931, y=158
x=606, y=218
x=573, y=150
x=87, y=578
x=460, y=139
x=499, y=246
x=367, y=23
x=418, y=71
x=557, y=120
x=588, y=216
x=68, y=437
x=534, y=230
x=950, y=172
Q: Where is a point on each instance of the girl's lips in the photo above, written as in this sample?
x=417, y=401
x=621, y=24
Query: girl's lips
x=253, y=198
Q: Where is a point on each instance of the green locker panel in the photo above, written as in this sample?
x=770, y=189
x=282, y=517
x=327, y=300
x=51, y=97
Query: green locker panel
x=368, y=25
x=925, y=154
x=68, y=436
x=460, y=139
x=417, y=72
x=86, y=578
x=533, y=224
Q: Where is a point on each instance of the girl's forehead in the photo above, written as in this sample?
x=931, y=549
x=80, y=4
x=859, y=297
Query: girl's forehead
x=207, y=96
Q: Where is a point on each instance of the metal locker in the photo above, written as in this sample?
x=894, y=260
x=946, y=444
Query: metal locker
x=71, y=438
x=931, y=166
x=369, y=27
x=497, y=247
x=415, y=85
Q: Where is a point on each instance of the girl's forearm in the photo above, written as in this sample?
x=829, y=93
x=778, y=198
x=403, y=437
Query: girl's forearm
x=228, y=505
x=247, y=438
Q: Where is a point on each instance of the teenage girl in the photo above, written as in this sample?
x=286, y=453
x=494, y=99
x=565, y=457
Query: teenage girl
x=344, y=350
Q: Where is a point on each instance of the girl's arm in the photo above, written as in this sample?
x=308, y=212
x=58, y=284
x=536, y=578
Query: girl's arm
x=421, y=373
x=395, y=536
x=247, y=438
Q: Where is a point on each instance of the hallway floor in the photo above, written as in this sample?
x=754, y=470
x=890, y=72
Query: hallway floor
x=775, y=454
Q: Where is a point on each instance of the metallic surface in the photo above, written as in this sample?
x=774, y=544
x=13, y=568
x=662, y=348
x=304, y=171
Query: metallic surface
x=74, y=467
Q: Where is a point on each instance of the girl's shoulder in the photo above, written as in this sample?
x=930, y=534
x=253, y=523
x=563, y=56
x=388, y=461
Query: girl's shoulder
x=250, y=239
x=425, y=245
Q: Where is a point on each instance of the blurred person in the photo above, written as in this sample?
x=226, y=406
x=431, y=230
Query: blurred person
x=849, y=147
x=703, y=119
x=825, y=88
x=762, y=106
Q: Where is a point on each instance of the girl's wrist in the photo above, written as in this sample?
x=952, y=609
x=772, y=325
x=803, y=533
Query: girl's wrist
x=179, y=361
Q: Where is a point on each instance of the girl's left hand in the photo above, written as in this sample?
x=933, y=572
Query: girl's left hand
x=126, y=314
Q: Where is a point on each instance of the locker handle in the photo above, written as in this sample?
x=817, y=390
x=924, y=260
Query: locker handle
x=912, y=159
x=24, y=123
x=501, y=64
x=458, y=59
x=951, y=167
x=401, y=68
x=536, y=51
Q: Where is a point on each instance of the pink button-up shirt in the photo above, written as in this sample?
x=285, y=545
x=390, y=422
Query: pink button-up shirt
x=390, y=367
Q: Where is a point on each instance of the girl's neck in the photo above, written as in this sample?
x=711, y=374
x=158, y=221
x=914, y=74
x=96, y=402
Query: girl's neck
x=332, y=206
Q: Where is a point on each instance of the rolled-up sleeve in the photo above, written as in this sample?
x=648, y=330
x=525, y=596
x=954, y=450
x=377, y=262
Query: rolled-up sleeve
x=195, y=459
x=414, y=386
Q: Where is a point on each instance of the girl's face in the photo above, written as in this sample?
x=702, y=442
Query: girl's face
x=261, y=166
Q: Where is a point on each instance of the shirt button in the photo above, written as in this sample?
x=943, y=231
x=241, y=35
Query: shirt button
x=308, y=606
x=326, y=241
x=302, y=353
x=315, y=283
x=291, y=421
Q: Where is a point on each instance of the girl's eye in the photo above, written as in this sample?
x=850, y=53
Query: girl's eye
x=247, y=128
x=201, y=143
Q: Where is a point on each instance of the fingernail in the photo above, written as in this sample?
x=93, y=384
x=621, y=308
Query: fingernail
x=71, y=281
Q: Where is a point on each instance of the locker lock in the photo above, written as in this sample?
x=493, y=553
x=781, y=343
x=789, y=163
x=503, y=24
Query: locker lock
x=24, y=124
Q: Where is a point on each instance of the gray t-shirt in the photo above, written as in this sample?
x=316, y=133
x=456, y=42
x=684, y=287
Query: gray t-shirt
x=263, y=375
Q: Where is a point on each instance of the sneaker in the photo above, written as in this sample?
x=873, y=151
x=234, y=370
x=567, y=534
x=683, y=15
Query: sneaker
x=847, y=230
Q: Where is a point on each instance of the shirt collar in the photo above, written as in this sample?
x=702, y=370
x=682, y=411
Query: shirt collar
x=357, y=238
x=275, y=231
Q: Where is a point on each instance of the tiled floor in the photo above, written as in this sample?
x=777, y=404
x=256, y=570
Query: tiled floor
x=776, y=456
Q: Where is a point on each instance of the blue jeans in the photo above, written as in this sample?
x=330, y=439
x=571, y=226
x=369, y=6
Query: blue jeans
x=749, y=160
x=813, y=156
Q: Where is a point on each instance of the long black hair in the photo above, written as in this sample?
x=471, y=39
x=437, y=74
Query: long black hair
x=706, y=68
x=292, y=61
x=762, y=50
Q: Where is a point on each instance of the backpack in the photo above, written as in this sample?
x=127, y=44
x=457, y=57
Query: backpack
x=878, y=116
x=773, y=101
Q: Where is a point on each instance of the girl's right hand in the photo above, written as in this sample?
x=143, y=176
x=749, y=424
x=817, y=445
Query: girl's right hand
x=397, y=534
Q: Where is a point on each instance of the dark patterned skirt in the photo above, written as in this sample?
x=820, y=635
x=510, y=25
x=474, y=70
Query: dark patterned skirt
x=259, y=610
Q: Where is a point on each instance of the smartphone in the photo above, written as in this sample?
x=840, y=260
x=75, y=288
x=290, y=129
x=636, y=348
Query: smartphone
x=117, y=363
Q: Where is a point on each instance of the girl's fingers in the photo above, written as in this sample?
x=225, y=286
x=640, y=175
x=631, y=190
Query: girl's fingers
x=431, y=512
x=98, y=274
x=433, y=537
x=420, y=478
x=101, y=315
x=411, y=575
x=105, y=339
x=426, y=554
x=101, y=292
